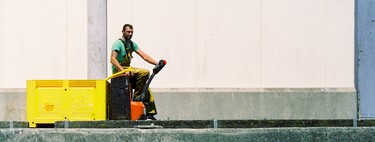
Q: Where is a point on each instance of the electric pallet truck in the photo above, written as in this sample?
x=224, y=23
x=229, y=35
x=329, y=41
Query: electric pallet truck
x=124, y=105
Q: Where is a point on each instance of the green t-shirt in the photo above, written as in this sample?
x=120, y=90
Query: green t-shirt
x=124, y=54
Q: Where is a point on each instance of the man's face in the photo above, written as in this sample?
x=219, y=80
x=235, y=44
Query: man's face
x=128, y=33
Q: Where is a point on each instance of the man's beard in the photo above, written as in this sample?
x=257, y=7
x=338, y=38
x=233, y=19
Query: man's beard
x=128, y=37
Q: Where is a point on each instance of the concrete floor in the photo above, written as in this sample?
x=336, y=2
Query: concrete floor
x=341, y=134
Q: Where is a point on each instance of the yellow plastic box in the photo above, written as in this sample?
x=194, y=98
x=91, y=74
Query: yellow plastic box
x=59, y=100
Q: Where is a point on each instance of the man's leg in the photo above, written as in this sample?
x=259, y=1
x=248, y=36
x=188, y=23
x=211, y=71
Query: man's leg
x=150, y=107
x=141, y=76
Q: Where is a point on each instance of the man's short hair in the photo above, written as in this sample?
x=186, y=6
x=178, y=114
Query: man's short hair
x=127, y=25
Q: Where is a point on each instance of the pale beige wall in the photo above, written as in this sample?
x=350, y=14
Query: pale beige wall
x=207, y=43
x=1, y=42
x=42, y=40
x=242, y=43
x=340, y=43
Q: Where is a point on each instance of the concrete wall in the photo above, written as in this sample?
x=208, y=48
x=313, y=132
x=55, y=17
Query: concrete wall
x=97, y=39
x=224, y=104
x=288, y=103
x=365, y=57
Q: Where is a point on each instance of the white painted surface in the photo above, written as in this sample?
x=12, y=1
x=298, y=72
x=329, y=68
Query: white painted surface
x=340, y=43
x=42, y=40
x=242, y=43
x=1, y=42
x=207, y=43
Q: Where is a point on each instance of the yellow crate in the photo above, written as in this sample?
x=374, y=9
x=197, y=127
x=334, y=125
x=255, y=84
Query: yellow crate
x=58, y=100
x=48, y=101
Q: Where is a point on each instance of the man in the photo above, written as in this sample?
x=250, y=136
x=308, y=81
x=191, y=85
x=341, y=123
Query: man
x=121, y=57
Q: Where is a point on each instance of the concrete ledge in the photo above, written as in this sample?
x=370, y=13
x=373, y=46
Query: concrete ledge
x=13, y=124
x=218, y=90
x=195, y=124
x=341, y=134
x=201, y=124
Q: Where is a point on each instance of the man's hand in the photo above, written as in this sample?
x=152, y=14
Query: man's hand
x=129, y=74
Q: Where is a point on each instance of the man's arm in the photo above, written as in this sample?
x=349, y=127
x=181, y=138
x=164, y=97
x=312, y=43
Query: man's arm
x=114, y=61
x=146, y=57
x=117, y=64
